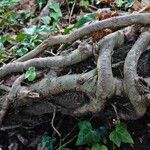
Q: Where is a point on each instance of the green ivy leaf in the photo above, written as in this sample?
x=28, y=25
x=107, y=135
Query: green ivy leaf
x=85, y=3
x=99, y=147
x=121, y=134
x=115, y=138
x=126, y=137
x=54, y=6
x=129, y=3
x=30, y=74
x=85, y=125
x=30, y=30
x=55, y=16
x=46, y=20
x=71, y=1
x=2, y=48
x=86, y=134
x=86, y=18
x=48, y=142
x=20, y=37
x=44, y=29
x=124, y=3
x=121, y=129
x=102, y=130
x=41, y=3
x=9, y=4
x=21, y=51
x=119, y=3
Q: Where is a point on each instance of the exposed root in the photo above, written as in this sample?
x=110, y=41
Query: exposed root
x=98, y=84
x=143, y=88
x=106, y=83
x=130, y=73
x=10, y=98
x=4, y=87
x=52, y=123
x=83, y=52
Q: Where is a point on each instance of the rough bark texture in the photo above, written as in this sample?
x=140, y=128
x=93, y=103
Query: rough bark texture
x=98, y=84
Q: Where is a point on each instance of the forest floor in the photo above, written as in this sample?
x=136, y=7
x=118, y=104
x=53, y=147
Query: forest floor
x=36, y=125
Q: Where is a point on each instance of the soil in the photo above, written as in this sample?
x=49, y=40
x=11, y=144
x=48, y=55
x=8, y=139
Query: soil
x=140, y=130
x=25, y=124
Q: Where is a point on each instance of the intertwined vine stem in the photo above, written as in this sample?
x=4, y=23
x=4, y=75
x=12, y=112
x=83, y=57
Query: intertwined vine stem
x=98, y=84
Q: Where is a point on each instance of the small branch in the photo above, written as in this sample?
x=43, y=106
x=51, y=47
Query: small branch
x=13, y=127
x=117, y=64
x=52, y=122
x=72, y=11
x=4, y=87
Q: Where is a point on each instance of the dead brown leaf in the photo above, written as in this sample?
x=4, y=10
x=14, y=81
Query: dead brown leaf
x=28, y=5
x=96, y=36
x=107, y=2
x=141, y=5
x=10, y=80
x=137, y=5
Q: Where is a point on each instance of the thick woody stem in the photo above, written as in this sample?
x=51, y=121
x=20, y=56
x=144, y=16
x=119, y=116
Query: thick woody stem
x=55, y=85
x=130, y=73
x=4, y=108
x=114, y=22
x=83, y=52
x=10, y=97
x=106, y=83
x=99, y=84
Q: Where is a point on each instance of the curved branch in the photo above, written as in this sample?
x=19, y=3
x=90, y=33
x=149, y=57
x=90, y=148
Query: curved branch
x=106, y=85
x=10, y=97
x=83, y=52
x=114, y=22
x=51, y=85
x=106, y=82
x=130, y=73
x=55, y=85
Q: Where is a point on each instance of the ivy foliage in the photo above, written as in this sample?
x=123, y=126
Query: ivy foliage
x=124, y=3
x=82, y=21
x=48, y=142
x=23, y=38
x=121, y=135
x=30, y=74
x=88, y=135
